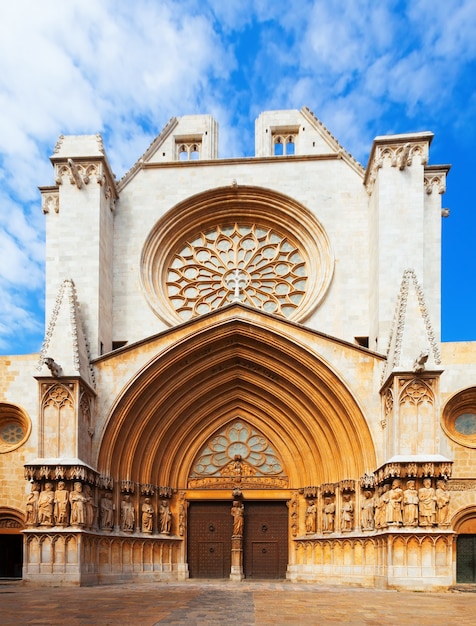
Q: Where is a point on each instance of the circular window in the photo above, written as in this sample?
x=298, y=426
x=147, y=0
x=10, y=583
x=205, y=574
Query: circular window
x=237, y=263
x=459, y=418
x=15, y=427
x=236, y=244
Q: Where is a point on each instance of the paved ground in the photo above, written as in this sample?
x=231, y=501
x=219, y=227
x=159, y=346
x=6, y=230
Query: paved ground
x=223, y=603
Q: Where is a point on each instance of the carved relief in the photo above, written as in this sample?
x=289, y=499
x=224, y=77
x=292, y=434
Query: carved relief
x=416, y=392
x=294, y=519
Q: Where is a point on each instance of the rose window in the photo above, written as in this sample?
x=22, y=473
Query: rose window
x=237, y=441
x=238, y=263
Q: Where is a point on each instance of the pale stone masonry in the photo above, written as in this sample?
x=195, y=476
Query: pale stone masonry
x=255, y=334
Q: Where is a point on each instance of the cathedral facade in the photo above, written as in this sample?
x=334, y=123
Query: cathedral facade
x=242, y=374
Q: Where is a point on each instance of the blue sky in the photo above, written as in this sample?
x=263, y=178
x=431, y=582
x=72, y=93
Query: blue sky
x=124, y=68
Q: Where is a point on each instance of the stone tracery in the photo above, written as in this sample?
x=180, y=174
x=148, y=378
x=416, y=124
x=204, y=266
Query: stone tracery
x=247, y=263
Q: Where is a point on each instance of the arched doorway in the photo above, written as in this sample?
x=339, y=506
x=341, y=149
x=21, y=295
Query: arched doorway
x=465, y=526
x=235, y=366
x=11, y=543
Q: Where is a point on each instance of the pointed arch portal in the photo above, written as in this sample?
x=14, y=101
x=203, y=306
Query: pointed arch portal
x=235, y=368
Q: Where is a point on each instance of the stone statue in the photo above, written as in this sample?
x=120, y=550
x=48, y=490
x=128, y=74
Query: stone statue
x=311, y=517
x=165, y=518
x=442, y=504
x=427, y=504
x=410, y=505
x=380, y=514
x=367, y=521
x=238, y=513
x=89, y=506
x=78, y=500
x=45, y=506
x=328, y=515
x=107, y=512
x=32, y=505
x=147, y=516
x=61, y=505
x=393, y=509
x=127, y=514
x=347, y=513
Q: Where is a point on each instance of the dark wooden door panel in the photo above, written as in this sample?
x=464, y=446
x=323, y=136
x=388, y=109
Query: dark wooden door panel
x=466, y=559
x=265, y=545
x=210, y=527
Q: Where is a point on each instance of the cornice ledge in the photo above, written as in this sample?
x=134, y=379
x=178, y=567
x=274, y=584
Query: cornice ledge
x=398, y=151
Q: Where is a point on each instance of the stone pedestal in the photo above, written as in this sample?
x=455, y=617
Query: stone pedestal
x=236, y=573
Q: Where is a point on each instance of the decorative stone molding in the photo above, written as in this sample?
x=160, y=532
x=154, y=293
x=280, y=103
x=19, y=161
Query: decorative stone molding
x=398, y=154
x=432, y=181
x=50, y=471
x=49, y=200
x=461, y=484
x=413, y=469
x=416, y=392
x=398, y=324
x=67, y=291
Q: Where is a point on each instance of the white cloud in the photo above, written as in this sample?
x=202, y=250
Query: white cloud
x=124, y=68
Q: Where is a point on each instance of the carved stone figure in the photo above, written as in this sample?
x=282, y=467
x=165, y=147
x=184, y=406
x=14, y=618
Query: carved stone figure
x=78, y=501
x=45, y=506
x=61, y=505
x=410, y=505
x=127, y=514
x=107, y=512
x=238, y=513
x=347, y=513
x=311, y=517
x=394, y=505
x=32, y=505
x=165, y=518
x=368, y=512
x=442, y=504
x=328, y=515
x=147, y=516
x=380, y=514
x=427, y=504
x=89, y=506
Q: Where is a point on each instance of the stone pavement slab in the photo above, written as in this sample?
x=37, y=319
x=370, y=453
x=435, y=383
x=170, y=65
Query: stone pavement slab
x=225, y=603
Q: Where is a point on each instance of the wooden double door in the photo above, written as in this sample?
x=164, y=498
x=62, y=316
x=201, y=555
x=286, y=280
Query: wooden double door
x=265, y=539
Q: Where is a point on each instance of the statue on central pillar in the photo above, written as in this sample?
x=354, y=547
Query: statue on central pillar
x=238, y=514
